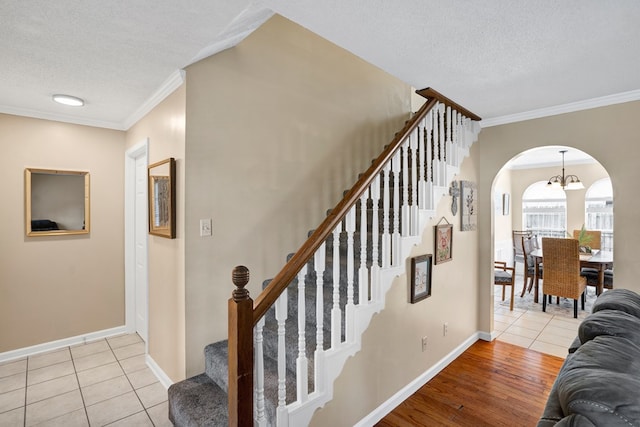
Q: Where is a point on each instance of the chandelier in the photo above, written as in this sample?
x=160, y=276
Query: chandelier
x=568, y=182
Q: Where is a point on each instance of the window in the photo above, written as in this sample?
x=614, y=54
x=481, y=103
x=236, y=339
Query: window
x=598, y=206
x=544, y=210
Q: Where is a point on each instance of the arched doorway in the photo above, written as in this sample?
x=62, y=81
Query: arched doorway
x=547, y=212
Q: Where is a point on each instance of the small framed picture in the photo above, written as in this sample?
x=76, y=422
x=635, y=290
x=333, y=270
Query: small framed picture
x=420, y=277
x=443, y=243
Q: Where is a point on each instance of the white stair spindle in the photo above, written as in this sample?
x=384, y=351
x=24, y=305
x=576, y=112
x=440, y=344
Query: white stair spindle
x=421, y=165
x=395, y=235
x=405, y=222
x=429, y=144
x=302, y=364
x=413, y=210
x=281, y=318
x=363, y=272
x=261, y=419
x=386, y=208
x=350, y=226
x=442, y=179
x=375, y=235
x=336, y=313
x=319, y=265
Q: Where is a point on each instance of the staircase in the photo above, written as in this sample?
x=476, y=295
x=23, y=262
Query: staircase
x=299, y=346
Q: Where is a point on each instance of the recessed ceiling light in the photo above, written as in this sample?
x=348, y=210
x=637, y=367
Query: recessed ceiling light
x=69, y=100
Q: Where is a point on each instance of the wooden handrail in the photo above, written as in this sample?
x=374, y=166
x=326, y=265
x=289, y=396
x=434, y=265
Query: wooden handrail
x=278, y=284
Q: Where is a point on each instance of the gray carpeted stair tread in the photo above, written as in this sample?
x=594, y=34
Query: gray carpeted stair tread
x=216, y=358
x=196, y=402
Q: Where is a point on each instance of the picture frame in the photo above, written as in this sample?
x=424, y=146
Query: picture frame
x=505, y=204
x=469, y=202
x=162, y=198
x=443, y=238
x=420, y=277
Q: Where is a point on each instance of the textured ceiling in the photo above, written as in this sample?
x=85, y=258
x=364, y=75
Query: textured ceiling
x=503, y=60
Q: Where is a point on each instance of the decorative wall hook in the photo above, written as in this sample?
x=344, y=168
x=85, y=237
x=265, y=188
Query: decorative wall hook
x=454, y=192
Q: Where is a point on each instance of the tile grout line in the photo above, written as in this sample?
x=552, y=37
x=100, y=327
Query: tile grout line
x=131, y=384
x=84, y=405
x=26, y=382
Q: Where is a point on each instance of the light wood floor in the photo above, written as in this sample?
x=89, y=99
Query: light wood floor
x=490, y=384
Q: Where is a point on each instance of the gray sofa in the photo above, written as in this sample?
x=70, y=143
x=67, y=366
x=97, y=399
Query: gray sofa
x=599, y=382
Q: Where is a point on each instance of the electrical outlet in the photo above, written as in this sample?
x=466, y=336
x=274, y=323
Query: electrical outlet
x=205, y=227
x=424, y=343
x=445, y=329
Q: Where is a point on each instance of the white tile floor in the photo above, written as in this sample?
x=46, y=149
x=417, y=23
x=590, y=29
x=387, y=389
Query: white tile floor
x=529, y=327
x=105, y=382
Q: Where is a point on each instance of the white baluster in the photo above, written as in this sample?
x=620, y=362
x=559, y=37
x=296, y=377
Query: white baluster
x=442, y=178
x=336, y=313
x=261, y=420
x=350, y=226
x=429, y=142
x=422, y=145
x=386, y=236
x=363, y=273
x=435, y=178
x=302, y=365
x=281, y=318
x=319, y=264
x=413, y=210
x=405, y=220
x=375, y=236
x=395, y=235
x=449, y=146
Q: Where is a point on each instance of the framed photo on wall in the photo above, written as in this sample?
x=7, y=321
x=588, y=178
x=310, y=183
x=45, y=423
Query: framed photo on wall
x=469, y=202
x=443, y=243
x=420, y=277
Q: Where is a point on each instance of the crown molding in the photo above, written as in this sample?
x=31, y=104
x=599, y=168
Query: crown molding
x=603, y=101
x=65, y=118
x=167, y=88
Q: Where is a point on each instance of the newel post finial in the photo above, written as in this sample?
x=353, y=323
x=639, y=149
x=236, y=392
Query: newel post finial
x=240, y=278
x=240, y=350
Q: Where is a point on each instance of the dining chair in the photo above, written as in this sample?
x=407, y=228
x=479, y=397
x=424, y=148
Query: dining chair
x=529, y=244
x=562, y=277
x=504, y=276
x=591, y=275
x=516, y=238
x=594, y=237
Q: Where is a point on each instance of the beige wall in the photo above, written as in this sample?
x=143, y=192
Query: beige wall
x=165, y=128
x=610, y=135
x=391, y=355
x=277, y=128
x=53, y=288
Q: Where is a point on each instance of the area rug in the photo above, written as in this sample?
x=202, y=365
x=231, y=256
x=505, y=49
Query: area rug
x=564, y=308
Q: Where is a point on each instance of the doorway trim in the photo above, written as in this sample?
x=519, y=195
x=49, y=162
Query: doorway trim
x=141, y=149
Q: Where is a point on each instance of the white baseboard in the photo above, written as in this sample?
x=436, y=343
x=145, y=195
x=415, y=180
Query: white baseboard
x=158, y=372
x=404, y=393
x=65, y=342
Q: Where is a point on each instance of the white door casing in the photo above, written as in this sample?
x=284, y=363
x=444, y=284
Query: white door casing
x=136, y=255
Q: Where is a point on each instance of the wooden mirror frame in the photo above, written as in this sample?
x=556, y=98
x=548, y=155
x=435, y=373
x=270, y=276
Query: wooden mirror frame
x=162, y=198
x=70, y=209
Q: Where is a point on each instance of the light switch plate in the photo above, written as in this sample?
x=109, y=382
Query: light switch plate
x=205, y=227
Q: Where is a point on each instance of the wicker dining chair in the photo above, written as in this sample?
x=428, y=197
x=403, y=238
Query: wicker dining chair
x=504, y=276
x=562, y=271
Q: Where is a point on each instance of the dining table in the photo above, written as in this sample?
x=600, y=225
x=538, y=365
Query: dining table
x=597, y=259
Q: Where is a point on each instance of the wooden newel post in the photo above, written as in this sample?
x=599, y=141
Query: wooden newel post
x=240, y=351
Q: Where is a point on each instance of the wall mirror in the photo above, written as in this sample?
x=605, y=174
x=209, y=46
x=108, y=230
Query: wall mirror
x=162, y=198
x=56, y=202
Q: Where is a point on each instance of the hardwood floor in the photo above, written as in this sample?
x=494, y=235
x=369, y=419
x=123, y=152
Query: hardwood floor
x=490, y=384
